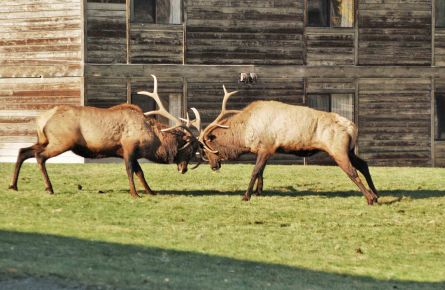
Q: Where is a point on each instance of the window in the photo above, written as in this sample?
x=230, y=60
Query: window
x=342, y=104
x=156, y=11
x=440, y=13
x=330, y=13
x=440, y=117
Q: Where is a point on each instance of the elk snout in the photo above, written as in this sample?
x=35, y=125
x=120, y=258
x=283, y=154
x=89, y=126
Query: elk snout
x=216, y=165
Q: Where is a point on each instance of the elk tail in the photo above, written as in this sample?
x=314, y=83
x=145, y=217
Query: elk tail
x=353, y=133
x=41, y=123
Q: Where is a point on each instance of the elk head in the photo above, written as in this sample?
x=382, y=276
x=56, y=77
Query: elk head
x=188, y=144
x=209, y=140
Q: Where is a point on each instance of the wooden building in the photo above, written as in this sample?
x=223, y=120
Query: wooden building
x=378, y=62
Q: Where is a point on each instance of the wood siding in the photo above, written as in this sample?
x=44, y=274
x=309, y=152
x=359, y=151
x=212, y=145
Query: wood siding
x=395, y=121
x=40, y=66
x=439, y=156
x=329, y=46
x=151, y=43
x=106, y=32
x=105, y=92
x=439, y=46
x=244, y=32
x=34, y=33
x=394, y=32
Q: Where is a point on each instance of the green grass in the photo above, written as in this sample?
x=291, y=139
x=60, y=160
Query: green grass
x=312, y=229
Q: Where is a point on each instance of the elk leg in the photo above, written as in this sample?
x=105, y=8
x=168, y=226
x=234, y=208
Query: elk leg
x=261, y=161
x=24, y=153
x=129, y=160
x=346, y=166
x=42, y=156
x=140, y=174
x=259, y=183
x=362, y=166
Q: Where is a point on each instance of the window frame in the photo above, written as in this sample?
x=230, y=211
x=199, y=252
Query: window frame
x=155, y=14
x=329, y=15
x=330, y=95
x=436, y=116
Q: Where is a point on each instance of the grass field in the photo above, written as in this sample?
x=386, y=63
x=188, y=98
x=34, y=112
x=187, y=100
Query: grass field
x=312, y=229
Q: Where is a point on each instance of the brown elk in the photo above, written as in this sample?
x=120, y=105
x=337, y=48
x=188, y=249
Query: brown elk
x=268, y=127
x=123, y=131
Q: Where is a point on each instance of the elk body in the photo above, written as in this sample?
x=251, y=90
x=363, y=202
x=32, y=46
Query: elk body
x=121, y=131
x=268, y=127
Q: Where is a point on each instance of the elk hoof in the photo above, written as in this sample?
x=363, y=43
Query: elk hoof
x=50, y=190
x=246, y=198
x=151, y=193
x=135, y=195
x=13, y=187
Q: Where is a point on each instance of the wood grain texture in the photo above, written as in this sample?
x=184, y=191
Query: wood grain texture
x=394, y=32
x=395, y=121
x=329, y=46
x=244, y=32
x=151, y=43
x=106, y=32
x=40, y=35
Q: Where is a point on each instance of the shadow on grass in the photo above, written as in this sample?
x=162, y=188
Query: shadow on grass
x=292, y=192
x=84, y=264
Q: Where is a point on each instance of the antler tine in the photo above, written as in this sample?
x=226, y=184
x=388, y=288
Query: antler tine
x=197, y=122
x=162, y=111
x=226, y=98
x=215, y=124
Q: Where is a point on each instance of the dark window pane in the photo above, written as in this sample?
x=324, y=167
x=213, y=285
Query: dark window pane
x=342, y=13
x=440, y=13
x=147, y=104
x=319, y=101
x=318, y=13
x=440, y=117
x=143, y=11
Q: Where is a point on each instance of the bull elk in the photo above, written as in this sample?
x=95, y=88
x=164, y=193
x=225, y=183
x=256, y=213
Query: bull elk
x=123, y=131
x=268, y=127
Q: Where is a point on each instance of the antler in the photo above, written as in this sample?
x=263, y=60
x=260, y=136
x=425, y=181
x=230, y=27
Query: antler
x=215, y=124
x=162, y=111
x=195, y=123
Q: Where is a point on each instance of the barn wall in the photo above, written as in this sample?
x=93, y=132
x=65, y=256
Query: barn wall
x=106, y=32
x=105, y=92
x=244, y=32
x=40, y=66
x=394, y=119
x=156, y=43
x=439, y=46
x=394, y=32
x=439, y=157
x=329, y=46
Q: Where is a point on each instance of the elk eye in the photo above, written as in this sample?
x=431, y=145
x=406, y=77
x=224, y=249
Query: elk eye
x=212, y=137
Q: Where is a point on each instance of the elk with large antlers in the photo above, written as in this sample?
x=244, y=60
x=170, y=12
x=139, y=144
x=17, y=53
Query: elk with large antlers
x=268, y=127
x=123, y=131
